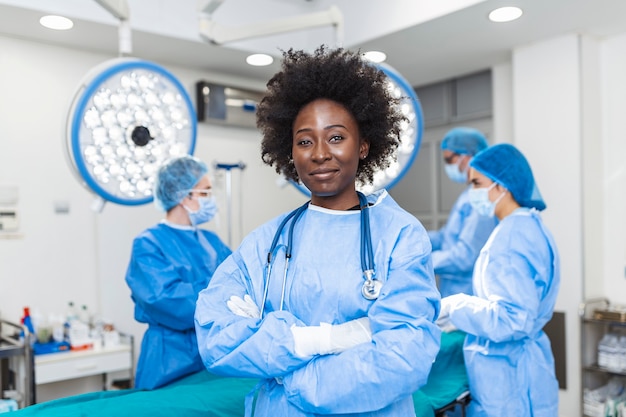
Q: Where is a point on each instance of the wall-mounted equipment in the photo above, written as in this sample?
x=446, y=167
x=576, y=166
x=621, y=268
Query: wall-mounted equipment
x=9, y=220
x=225, y=105
x=128, y=116
x=219, y=34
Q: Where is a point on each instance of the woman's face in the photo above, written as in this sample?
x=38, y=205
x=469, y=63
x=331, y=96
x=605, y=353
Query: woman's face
x=479, y=180
x=201, y=189
x=326, y=150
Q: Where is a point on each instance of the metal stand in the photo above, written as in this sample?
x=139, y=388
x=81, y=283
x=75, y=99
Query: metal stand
x=17, y=372
x=228, y=168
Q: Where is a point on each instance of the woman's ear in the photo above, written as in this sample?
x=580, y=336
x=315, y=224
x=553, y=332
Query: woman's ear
x=364, y=148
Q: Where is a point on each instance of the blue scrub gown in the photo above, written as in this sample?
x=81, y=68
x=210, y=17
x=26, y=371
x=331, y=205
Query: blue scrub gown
x=457, y=244
x=508, y=356
x=323, y=284
x=169, y=266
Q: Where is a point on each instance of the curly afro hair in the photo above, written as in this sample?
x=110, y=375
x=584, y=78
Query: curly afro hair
x=335, y=74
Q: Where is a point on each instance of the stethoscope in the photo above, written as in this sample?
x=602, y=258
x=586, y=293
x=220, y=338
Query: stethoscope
x=371, y=286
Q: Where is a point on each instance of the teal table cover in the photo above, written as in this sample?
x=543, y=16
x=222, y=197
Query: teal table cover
x=206, y=395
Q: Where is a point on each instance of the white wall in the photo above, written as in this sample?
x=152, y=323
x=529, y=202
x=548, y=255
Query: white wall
x=613, y=170
x=547, y=120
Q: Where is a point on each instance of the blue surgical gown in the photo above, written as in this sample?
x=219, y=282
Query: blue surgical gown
x=323, y=284
x=457, y=244
x=168, y=268
x=508, y=356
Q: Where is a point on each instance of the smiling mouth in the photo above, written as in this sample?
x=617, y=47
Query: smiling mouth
x=322, y=174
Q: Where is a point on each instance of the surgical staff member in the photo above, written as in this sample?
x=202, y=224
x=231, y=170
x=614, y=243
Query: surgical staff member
x=321, y=341
x=457, y=244
x=516, y=280
x=170, y=263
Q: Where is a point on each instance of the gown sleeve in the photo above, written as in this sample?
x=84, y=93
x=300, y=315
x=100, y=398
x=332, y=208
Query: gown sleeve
x=156, y=286
x=459, y=257
x=511, y=288
x=405, y=342
x=224, y=338
x=436, y=237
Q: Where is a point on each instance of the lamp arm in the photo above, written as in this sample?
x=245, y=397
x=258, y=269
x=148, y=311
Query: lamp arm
x=119, y=9
x=218, y=34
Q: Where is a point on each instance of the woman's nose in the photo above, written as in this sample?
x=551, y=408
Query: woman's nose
x=321, y=152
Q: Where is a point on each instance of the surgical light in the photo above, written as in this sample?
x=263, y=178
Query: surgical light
x=410, y=134
x=128, y=116
x=375, y=56
x=56, y=22
x=505, y=14
x=259, y=60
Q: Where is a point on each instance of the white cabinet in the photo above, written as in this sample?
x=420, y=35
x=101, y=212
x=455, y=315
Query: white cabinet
x=597, y=319
x=54, y=367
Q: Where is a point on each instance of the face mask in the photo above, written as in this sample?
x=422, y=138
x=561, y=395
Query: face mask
x=455, y=174
x=479, y=199
x=205, y=212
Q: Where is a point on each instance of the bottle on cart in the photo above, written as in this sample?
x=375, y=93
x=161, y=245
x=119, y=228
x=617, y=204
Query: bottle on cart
x=84, y=316
x=28, y=323
x=70, y=315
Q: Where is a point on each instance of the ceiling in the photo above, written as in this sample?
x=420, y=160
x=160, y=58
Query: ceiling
x=424, y=44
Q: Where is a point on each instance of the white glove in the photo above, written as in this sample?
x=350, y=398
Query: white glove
x=445, y=324
x=327, y=339
x=443, y=321
x=244, y=308
x=347, y=335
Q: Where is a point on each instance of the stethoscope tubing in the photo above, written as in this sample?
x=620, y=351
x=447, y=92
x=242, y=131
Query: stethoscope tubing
x=370, y=287
x=295, y=213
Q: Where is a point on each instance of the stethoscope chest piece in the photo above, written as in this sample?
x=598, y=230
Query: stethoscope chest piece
x=371, y=289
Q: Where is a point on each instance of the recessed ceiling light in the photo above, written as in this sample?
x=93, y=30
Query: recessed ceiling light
x=375, y=56
x=56, y=22
x=259, y=60
x=505, y=14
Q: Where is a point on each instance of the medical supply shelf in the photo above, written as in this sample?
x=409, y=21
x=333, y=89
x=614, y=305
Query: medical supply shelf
x=592, y=330
x=17, y=379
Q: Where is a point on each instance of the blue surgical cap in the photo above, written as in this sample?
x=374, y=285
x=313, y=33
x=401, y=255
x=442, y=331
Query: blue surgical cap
x=464, y=141
x=505, y=164
x=175, y=178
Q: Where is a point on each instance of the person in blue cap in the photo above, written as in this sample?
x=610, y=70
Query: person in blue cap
x=457, y=244
x=169, y=265
x=516, y=280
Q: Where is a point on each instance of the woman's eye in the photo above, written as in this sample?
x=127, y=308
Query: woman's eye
x=336, y=138
x=302, y=142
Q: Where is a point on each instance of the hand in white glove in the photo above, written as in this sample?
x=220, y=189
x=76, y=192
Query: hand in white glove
x=244, y=308
x=445, y=324
x=443, y=321
x=327, y=339
x=446, y=306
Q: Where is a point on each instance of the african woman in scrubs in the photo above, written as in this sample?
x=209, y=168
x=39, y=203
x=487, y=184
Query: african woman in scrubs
x=516, y=280
x=319, y=346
